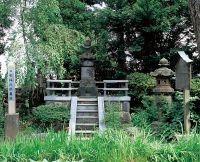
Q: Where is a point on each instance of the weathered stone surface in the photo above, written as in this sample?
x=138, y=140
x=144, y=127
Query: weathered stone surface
x=125, y=118
x=87, y=73
x=87, y=83
x=11, y=125
x=126, y=106
x=87, y=92
x=163, y=75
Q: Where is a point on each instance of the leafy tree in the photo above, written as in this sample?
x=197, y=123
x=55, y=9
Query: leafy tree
x=147, y=29
x=50, y=46
x=6, y=10
x=76, y=16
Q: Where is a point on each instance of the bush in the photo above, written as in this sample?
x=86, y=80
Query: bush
x=140, y=84
x=195, y=102
x=52, y=115
x=172, y=116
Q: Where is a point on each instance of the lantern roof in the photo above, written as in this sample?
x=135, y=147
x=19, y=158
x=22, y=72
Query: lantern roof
x=163, y=70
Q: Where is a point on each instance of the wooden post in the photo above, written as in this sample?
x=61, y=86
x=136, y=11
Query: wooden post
x=11, y=118
x=186, y=97
x=104, y=89
x=48, y=86
x=53, y=86
x=126, y=86
x=11, y=89
x=70, y=90
x=183, y=82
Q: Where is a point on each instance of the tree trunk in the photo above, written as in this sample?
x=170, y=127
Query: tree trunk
x=194, y=6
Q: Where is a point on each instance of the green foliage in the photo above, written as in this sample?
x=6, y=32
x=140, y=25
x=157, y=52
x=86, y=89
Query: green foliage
x=112, y=115
x=51, y=47
x=51, y=115
x=6, y=11
x=195, y=87
x=146, y=114
x=140, y=84
x=59, y=53
x=140, y=148
x=170, y=119
x=75, y=16
x=144, y=28
x=45, y=13
x=194, y=103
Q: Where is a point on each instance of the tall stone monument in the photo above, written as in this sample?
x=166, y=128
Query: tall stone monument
x=87, y=84
x=11, y=118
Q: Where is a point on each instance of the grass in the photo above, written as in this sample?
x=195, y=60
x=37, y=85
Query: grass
x=111, y=146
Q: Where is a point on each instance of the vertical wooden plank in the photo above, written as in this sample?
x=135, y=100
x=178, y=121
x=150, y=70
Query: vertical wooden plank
x=126, y=86
x=70, y=91
x=48, y=86
x=53, y=86
x=104, y=89
x=11, y=89
x=187, y=124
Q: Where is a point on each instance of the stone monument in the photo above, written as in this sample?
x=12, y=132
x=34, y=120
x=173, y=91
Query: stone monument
x=87, y=84
x=11, y=118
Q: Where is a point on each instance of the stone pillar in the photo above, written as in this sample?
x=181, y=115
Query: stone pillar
x=11, y=125
x=87, y=84
x=11, y=118
x=163, y=89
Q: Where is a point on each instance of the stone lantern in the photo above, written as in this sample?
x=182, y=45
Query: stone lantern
x=163, y=87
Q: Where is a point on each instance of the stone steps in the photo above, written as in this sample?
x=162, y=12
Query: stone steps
x=87, y=120
x=87, y=126
x=84, y=133
x=87, y=113
x=87, y=107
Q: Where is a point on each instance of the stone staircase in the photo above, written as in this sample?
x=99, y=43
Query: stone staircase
x=87, y=120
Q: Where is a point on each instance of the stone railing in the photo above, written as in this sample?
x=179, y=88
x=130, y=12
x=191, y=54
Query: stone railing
x=69, y=88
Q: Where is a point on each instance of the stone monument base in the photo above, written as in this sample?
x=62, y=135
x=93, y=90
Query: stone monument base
x=11, y=125
x=87, y=91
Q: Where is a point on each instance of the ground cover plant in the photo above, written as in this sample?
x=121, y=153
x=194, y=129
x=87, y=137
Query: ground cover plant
x=115, y=146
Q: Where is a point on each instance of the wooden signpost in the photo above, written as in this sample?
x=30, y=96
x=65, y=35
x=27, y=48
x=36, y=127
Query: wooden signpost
x=11, y=89
x=183, y=82
x=11, y=118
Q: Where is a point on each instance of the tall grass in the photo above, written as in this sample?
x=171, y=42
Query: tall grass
x=111, y=146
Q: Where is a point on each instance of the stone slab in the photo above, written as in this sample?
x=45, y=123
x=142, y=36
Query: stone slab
x=11, y=125
x=125, y=106
x=113, y=98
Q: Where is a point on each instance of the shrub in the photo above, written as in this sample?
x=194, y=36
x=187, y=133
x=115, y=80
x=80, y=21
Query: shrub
x=172, y=116
x=140, y=84
x=52, y=115
x=195, y=102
